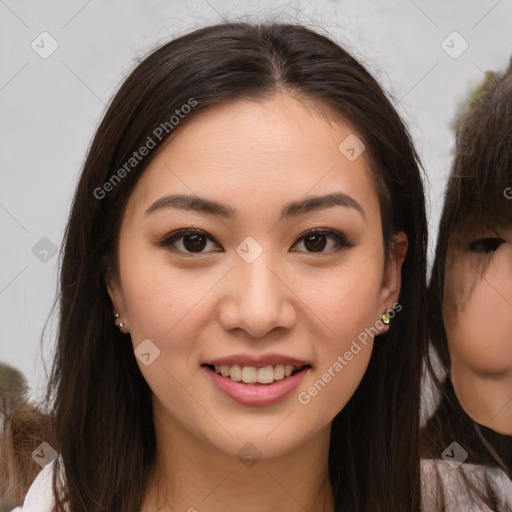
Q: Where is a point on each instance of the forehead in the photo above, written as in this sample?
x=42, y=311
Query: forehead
x=259, y=153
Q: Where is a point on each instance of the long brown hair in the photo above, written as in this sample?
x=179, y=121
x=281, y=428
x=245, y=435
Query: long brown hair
x=101, y=404
x=475, y=197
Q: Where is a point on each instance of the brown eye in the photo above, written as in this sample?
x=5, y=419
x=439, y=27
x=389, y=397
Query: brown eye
x=316, y=241
x=485, y=245
x=192, y=241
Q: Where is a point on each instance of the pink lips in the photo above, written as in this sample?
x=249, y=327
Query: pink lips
x=257, y=394
x=257, y=361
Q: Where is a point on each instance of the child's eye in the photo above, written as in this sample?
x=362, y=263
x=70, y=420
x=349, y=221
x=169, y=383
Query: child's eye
x=194, y=241
x=485, y=245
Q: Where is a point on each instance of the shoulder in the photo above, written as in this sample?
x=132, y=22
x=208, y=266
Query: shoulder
x=39, y=497
x=440, y=479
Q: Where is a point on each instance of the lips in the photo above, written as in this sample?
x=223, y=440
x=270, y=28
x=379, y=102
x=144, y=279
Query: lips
x=256, y=361
x=256, y=379
x=241, y=387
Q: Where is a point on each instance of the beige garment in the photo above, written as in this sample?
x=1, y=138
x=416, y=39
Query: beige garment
x=457, y=498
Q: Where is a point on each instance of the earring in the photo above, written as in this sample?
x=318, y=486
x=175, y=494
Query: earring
x=116, y=316
x=385, y=318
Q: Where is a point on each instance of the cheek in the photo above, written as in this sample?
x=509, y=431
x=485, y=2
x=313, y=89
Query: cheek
x=350, y=310
x=336, y=377
x=159, y=297
x=346, y=297
x=478, y=320
x=344, y=301
x=169, y=307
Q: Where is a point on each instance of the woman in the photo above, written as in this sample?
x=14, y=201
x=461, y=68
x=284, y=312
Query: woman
x=470, y=298
x=242, y=287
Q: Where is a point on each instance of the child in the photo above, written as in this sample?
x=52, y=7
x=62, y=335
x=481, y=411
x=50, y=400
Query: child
x=470, y=316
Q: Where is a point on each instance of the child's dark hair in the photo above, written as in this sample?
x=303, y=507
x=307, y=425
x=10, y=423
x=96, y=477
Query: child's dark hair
x=478, y=196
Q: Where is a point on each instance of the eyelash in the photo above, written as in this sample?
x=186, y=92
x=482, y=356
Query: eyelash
x=485, y=245
x=169, y=239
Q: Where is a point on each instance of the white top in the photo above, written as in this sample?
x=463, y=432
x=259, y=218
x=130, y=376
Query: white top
x=456, y=497
x=40, y=495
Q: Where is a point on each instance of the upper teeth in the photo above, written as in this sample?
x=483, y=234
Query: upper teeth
x=251, y=374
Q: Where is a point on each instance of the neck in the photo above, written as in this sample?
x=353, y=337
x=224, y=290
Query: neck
x=194, y=476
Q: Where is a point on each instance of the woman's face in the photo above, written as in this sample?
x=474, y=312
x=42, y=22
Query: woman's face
x=478, y=304
x=253, y=289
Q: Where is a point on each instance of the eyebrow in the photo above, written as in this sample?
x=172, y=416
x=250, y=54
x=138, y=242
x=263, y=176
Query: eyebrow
x=292, y=209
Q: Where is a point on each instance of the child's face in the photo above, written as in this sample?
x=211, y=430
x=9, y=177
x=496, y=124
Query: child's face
x=478, y=303
x=257, y=287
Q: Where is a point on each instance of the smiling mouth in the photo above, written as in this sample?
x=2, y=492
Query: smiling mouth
x=253, y=375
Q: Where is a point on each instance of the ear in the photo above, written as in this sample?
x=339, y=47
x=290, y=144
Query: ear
x=392, y=278
x=115, y=293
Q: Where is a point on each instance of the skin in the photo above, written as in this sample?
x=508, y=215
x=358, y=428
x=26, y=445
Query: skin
x=478, y=322
x=255, y=157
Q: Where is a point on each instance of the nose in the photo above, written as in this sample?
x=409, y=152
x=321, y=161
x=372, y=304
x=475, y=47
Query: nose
x=257, y=299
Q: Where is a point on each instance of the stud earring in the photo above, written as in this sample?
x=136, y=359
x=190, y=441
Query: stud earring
x=385, y=318
x=116, y=316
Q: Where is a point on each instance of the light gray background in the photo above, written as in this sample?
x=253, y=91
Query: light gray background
x=49, y=108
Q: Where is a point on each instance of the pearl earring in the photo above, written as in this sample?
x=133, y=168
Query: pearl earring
x=116, y=316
